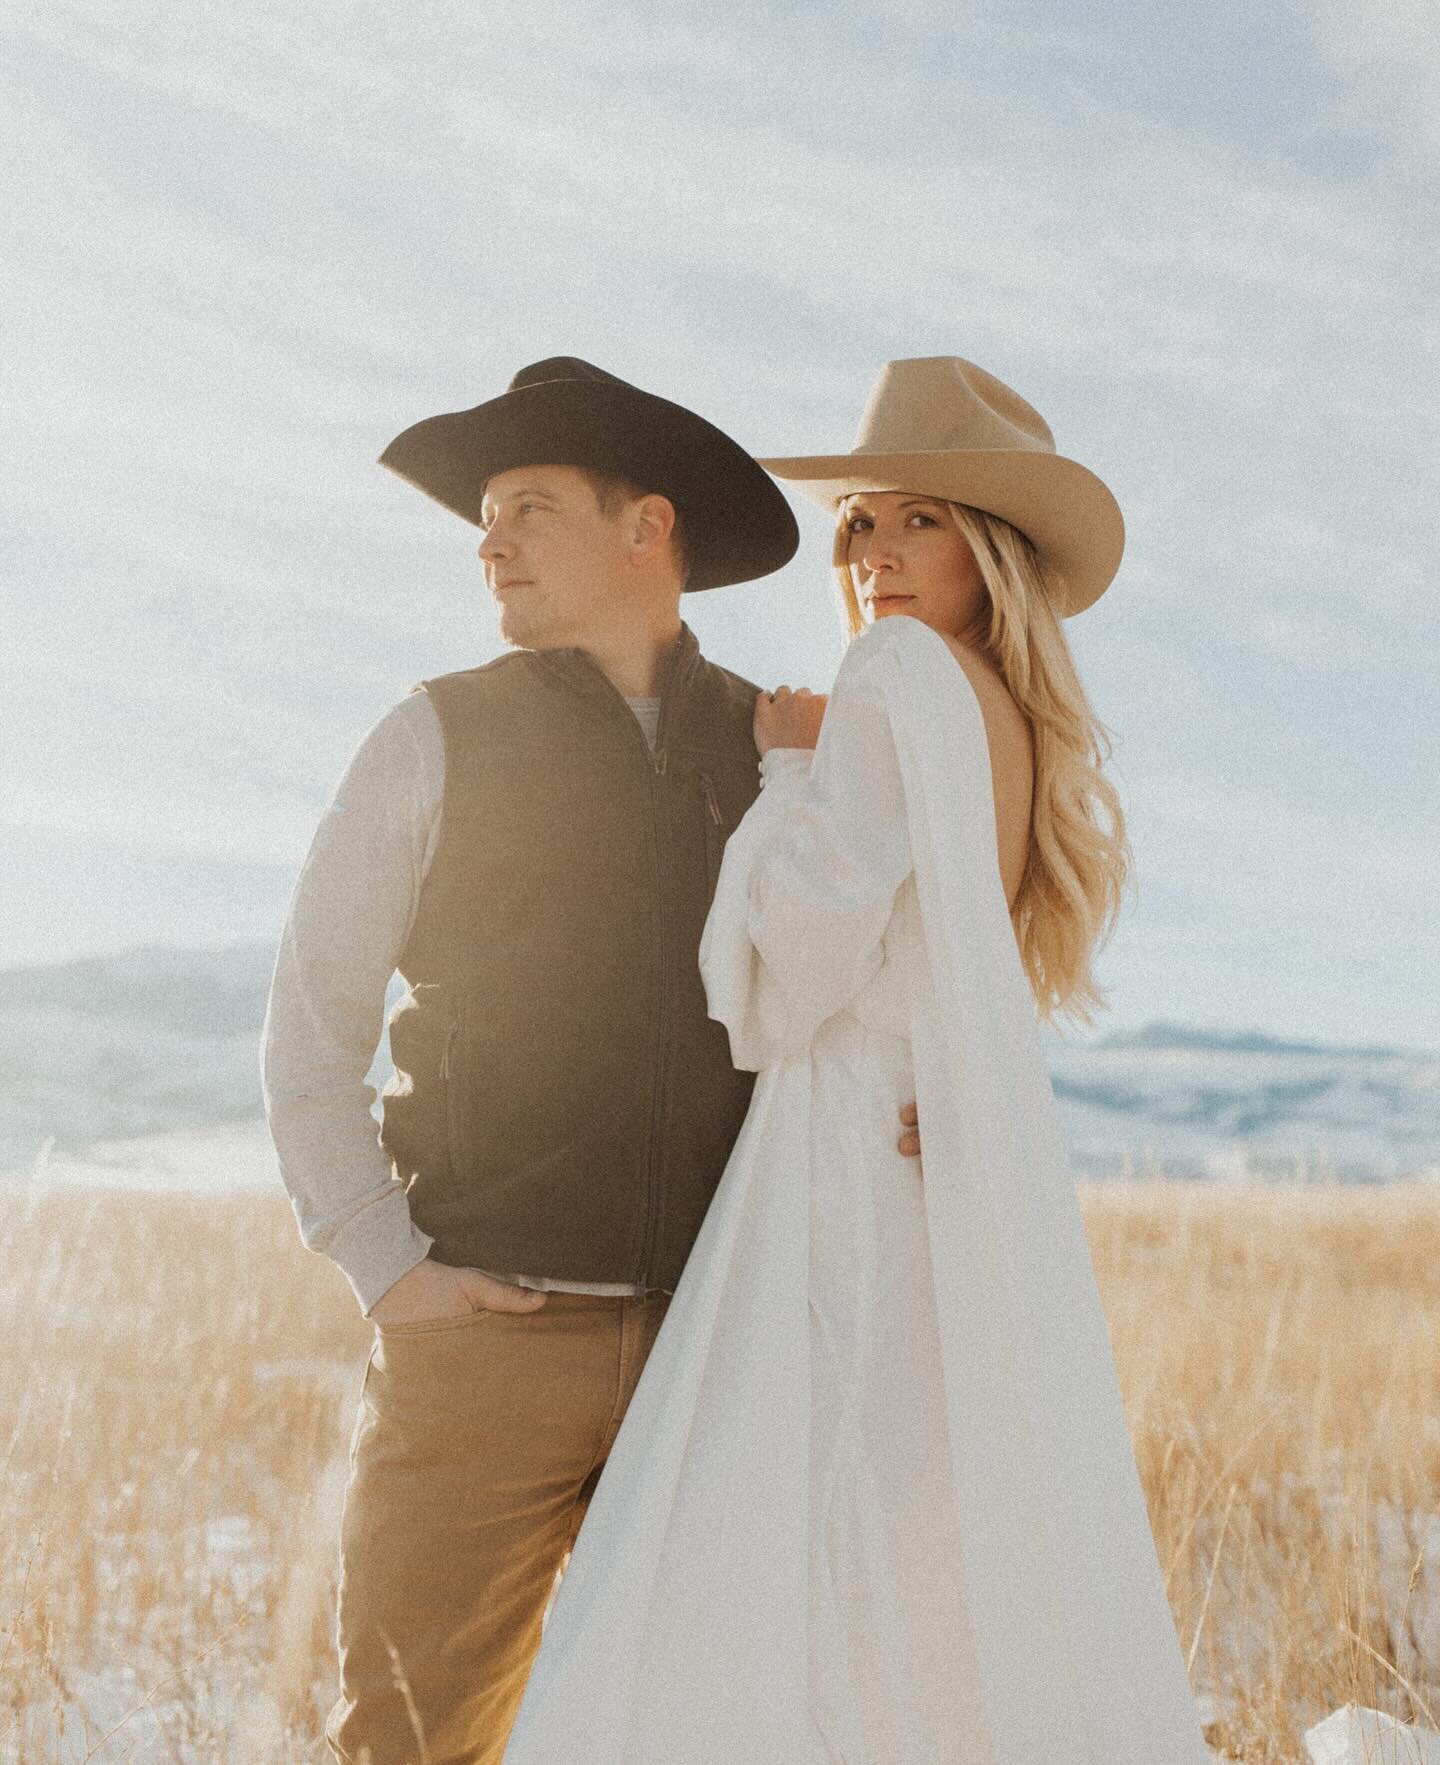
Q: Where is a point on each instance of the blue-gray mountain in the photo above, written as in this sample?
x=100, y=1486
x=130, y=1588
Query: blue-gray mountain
x=1194, y=1103
x=158, y=1039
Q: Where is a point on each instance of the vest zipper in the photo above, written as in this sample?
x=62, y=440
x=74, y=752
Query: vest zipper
x=660, y=761
x=659, y=765
x=712, y=802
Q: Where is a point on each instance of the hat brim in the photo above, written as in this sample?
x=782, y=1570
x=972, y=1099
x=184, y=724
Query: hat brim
x=737, y=522
x=1063, y=509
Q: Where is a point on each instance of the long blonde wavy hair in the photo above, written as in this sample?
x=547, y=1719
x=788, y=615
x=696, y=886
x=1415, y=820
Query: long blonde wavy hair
x=1079, y=863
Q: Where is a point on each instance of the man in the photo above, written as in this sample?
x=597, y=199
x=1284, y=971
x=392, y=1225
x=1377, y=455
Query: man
x=533, y=844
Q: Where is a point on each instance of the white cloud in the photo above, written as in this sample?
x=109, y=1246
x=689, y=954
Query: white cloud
x=253, y=248
x=1387, y=53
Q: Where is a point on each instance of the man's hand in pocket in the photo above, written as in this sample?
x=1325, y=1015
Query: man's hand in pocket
x=434, y=1290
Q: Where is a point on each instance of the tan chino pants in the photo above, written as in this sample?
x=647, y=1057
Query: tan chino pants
x=478, y=1443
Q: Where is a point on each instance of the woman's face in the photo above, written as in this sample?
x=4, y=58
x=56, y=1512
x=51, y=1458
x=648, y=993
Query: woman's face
x=908, y=556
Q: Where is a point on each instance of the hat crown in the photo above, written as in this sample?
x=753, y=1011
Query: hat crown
x=945, y=404
x=561, y=367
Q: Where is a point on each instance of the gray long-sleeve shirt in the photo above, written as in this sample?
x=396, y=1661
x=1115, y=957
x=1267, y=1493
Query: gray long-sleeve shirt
x=349, y=920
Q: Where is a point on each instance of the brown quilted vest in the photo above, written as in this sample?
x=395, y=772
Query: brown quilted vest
x=562, y=1104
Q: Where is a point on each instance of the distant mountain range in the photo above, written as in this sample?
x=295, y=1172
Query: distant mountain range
x=113, y=1046
x=159, y=1040
x=1196, y=1103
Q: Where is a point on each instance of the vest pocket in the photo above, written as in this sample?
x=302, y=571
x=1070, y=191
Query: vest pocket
x=714, y=833
x=452, y=1069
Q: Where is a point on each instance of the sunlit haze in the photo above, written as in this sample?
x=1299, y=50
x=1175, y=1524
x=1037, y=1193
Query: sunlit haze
x=247, y=247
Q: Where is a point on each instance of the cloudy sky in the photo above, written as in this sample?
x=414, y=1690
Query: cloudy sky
x=248, y=245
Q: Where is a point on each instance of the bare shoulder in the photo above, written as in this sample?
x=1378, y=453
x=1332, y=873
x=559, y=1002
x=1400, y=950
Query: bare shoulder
x=976, y=665
x=1005, y=723
x=1012, y=761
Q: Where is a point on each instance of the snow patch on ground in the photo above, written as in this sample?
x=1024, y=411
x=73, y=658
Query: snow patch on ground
x=1354, y=1736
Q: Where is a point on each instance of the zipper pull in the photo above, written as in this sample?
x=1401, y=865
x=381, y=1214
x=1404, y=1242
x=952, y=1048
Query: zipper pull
x=449, y=1044
x=661, y=761
x=712, y=802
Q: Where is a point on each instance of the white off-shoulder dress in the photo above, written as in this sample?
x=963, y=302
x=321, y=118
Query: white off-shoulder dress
x=874, y=1501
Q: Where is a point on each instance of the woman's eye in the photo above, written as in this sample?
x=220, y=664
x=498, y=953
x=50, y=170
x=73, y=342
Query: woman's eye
x=857, y=524
x=924, y=520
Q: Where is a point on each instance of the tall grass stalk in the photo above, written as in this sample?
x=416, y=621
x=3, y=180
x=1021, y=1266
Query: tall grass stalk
x=179, y=1388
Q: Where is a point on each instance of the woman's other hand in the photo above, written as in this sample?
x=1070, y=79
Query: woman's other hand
x=785, y=719
x=909, y=1141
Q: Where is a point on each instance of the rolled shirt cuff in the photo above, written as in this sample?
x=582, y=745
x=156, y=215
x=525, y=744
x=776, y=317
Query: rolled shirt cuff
x=785, y=763
x=379, y=1245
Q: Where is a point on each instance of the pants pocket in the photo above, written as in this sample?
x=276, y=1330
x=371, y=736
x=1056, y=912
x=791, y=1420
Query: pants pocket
x=434, y=1326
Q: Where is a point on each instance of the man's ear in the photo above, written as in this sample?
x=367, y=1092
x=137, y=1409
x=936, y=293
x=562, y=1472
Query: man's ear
x=651, y=520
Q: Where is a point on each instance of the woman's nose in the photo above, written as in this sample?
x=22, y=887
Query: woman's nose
x=877, y=555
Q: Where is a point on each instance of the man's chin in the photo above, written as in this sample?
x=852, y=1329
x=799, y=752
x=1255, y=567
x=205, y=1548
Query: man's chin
x=519, y=632
x=528, y=622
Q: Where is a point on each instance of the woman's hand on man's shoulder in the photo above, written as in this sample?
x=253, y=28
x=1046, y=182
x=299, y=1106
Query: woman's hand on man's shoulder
x=786, y=719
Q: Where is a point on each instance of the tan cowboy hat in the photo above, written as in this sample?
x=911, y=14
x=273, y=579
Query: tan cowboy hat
x=939, y=426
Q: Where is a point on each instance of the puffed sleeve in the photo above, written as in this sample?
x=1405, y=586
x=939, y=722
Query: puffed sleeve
x=809, y=878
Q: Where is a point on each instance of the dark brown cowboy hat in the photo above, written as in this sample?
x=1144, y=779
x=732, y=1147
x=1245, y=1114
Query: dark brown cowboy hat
x=564, y=412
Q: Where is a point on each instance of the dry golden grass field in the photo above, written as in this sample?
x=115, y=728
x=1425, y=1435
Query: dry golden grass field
x=179, y=1380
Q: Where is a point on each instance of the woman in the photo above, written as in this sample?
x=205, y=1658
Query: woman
x=874, y=1500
